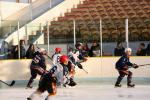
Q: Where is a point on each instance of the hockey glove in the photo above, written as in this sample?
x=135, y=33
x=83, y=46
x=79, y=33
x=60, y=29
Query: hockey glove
x=79, y=65
x=72, y=83
x=135, y=66
x=85, y=59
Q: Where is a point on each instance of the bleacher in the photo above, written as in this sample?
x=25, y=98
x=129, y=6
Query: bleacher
x=112, y=13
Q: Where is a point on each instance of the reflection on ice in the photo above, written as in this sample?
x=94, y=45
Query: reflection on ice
x=83, y=92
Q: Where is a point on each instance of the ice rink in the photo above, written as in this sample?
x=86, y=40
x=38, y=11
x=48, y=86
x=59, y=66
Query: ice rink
x=86, y=91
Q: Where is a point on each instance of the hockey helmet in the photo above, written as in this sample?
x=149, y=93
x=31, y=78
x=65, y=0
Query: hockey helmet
x=128, y=50
x=57, y=49
x=78, y=44
x=64, y=59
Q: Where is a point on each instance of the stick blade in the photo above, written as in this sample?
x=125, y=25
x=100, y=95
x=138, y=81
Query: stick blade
x=85, y=71
x=12, y=83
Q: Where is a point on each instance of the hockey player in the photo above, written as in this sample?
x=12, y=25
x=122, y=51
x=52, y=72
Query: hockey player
x=56, y=60
x=56, y=56
x=76, y=58
x=122, y=66
x=37, y=66
x=78, y=52
x=48, y=80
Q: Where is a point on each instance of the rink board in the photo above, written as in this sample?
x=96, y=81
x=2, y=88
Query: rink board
x=96, y=67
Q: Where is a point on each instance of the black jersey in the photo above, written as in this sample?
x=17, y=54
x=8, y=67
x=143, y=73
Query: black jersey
x=38, y=60
x=123, y=62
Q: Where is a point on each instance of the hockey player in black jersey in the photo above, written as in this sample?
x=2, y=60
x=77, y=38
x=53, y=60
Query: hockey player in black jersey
x=37, y=66
x=122, y=66
x=48, y=80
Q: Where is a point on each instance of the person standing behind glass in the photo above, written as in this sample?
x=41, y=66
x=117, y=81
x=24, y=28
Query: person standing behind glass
x=119, y=50
x=95, y=50
x=30, y=51
x=15, y=52
x=85, y=50
x=141, y=51
x=148, y=50
x=22, y=49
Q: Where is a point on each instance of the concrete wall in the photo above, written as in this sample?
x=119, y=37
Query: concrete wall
x=8, y=8
x=20, y=1
x=97, y=67
x=57, y=11
x=48, y=16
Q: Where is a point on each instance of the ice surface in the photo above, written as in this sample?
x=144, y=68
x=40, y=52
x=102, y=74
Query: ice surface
x=83, y=92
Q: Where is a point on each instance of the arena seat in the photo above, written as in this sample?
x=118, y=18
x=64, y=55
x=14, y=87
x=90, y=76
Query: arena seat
x=112, y=12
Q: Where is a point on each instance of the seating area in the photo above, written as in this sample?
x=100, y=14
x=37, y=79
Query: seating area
x=113, y=14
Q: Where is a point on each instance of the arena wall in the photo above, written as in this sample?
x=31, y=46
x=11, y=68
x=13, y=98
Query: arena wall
x=96, y=67
x=9, y=8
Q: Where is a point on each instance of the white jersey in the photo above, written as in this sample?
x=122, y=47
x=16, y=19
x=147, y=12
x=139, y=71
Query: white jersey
x=56, y=58
x=60, y=72
x=74, y=55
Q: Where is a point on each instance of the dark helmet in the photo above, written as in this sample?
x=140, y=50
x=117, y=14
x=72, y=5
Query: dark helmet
x=78, y=44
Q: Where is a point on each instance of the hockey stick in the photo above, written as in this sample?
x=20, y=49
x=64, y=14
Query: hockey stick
x=144, y=65
x=81, y=67
x=11, y=84
x=85, y=70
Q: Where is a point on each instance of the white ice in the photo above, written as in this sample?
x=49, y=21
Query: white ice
x=83, y=92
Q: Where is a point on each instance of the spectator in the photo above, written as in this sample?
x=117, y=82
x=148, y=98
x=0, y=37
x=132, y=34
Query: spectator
x=6, y=50
x=141, y=51
x=119, y=50
x=95, y=50
x=30, y=51
x=148, y=50
x=12, y=51
x=85, y=50
x=15, y=52
x=22, y=49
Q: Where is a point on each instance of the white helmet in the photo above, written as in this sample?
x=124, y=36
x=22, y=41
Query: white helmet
x=42, y=50
x=128, y=50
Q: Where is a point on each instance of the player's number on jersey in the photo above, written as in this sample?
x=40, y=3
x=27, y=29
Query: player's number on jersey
x=58, y=58
x=36, y=60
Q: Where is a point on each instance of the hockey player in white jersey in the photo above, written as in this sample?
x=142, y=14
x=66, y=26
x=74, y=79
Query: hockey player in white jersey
x=56, y=56
x=56, y=60
x=76, y=58
x=48, y=80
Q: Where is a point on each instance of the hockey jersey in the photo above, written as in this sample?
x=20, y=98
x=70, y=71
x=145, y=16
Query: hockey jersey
x=75, y=56
x=38, y=60
x=123, y=62
x=60, y=71
x=56, y=58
